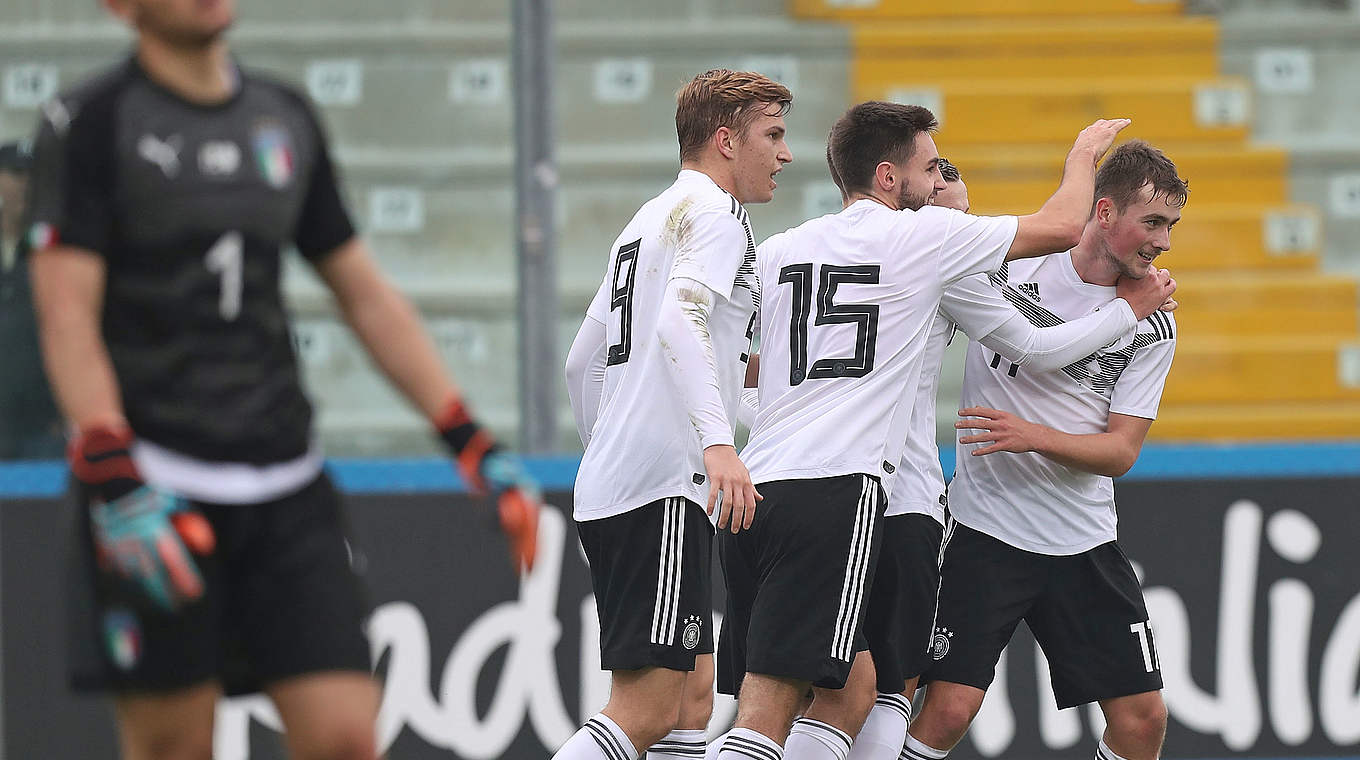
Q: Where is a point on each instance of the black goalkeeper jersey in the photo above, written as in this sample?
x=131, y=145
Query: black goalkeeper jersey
x=191, y=207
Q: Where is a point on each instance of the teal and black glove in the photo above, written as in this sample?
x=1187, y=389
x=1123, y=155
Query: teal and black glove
x=142, y=534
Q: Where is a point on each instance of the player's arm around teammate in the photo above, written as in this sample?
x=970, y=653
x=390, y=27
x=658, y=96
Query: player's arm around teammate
x=902, y=601
x=1058, y=224
x=1035, y=504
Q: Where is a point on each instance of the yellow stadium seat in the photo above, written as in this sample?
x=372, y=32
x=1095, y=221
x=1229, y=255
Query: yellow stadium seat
x=1018, y=179
x=1283, y=421
x=1268, y=347
x=1234, y=237
x=1240, y=369
x=998, y=48
x=1255, y=304
x=1049, y=110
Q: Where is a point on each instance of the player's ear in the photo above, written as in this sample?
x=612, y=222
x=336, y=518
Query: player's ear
x=1105, y=212
x=885, y=175
x=723, y=138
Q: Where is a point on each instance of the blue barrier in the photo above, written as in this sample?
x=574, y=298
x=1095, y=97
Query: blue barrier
x=556, y=472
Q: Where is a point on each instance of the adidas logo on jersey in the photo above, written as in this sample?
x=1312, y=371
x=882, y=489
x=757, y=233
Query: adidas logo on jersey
x=1030, y=289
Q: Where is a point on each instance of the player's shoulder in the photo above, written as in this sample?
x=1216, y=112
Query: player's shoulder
x=1157, y=327
x=272, y=85
x=92, y=100
x=703, y=197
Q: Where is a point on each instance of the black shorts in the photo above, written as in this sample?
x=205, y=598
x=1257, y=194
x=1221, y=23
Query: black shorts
x=902, y=600
x=280, y=600
x=653, y=580
x=797, y=581
x=1086, y=611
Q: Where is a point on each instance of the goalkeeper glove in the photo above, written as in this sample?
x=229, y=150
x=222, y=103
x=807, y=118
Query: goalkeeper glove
x=488, y=468
x=142, y=534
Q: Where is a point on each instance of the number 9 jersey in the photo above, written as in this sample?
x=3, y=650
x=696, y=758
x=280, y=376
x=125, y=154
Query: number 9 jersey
x=849, y=301
x=190, y=206
x=644, y=447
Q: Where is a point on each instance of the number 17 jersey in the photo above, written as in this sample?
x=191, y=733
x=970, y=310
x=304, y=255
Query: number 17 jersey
x=849, y=301
x=644, y=447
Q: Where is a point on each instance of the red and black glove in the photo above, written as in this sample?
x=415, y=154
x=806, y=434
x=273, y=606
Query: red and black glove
x=142, y=534
x=488, y=468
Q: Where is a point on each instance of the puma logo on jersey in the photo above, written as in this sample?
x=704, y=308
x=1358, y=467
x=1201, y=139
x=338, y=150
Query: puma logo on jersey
x=1030, y=289
x=162, y=153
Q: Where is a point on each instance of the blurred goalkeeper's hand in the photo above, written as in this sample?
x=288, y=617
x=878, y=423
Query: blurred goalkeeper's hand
x=142, y=534
x=489, y=469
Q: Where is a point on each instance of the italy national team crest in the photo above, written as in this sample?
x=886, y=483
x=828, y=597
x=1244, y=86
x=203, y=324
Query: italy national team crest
x=123, y=637
x=274, y=153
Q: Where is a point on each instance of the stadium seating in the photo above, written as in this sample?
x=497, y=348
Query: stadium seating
x=417, y=95
x=1265, y=337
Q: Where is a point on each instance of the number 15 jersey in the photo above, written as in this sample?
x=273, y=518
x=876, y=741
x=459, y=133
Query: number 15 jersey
x=850, y=298
x=644, y=446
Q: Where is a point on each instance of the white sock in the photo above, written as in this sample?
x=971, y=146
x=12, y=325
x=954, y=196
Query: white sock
x=913, y=749
x=599, y=739
x=884, y=731
x=680, y=744
x=814, y=740
x=1103, y=752
x=745, y=744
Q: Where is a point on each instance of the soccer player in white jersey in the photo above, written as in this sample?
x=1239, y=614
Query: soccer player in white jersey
x=848, y=302
x=901, y=604
x=1032, y=533
x=671, y=326
x=902, y=599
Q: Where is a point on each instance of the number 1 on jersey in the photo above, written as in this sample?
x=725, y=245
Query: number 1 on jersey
x=621, y=299
x=225, y=260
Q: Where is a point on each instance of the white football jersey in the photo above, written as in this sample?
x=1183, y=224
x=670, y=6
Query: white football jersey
x=1028, y=500
x=849, y=301
x=643, y=446
x=918, y=484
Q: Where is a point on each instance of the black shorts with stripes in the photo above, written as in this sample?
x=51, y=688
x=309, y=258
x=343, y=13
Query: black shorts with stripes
x=1085, y=610
x=902, y=600
x=651, y=571
x=798, y=579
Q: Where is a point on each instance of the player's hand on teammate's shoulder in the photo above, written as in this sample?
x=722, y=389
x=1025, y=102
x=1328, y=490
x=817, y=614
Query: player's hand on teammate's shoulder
x=728, y=475
x=1170, y=304
x=999, y=431
x=488, y=468
x=1149, y=293
x=1094, y=140
x=142, y=534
